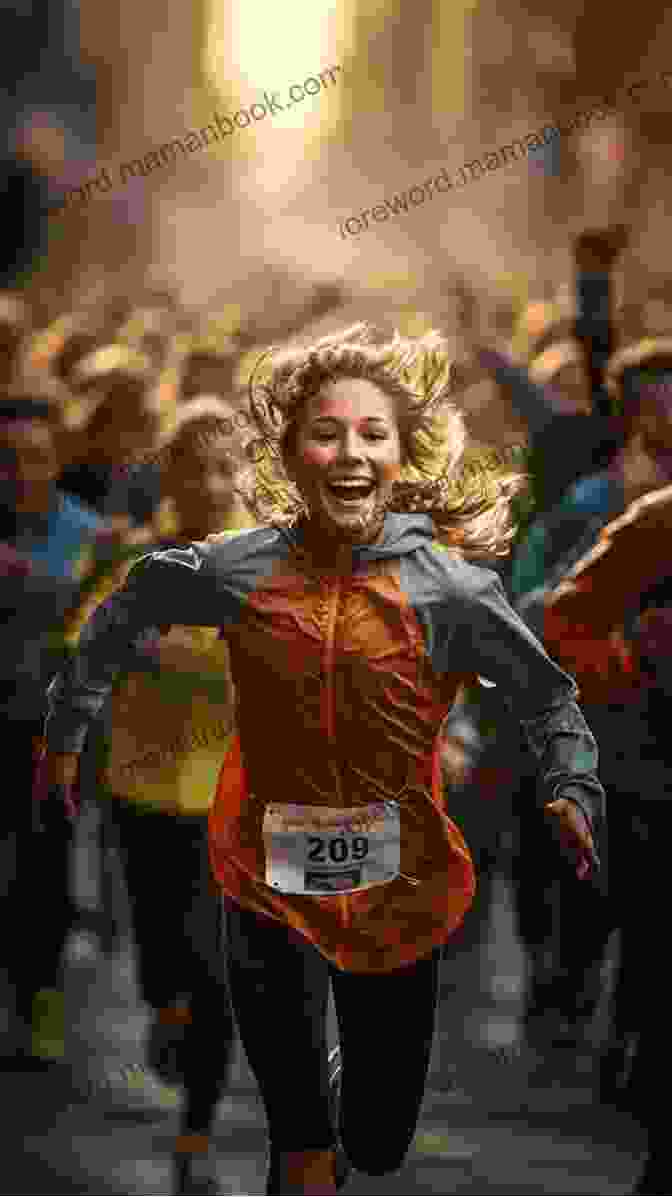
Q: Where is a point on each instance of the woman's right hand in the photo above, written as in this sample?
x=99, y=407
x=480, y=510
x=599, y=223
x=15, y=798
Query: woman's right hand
x=59, y=768
x=54, y=805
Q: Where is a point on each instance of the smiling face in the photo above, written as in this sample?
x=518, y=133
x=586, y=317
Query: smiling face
x=346, y=456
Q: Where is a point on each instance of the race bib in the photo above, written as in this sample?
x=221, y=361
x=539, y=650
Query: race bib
x=324, y=850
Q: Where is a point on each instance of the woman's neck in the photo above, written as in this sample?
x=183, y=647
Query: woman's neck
x=329, y=551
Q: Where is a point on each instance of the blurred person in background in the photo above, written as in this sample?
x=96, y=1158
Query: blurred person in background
x=573, y=427
x=635, y=378
x=163, y=736
x=111, y=345
x=117, y=390
x=47, y=117
x=638, y=378
x=610, y=622
x=48, y=533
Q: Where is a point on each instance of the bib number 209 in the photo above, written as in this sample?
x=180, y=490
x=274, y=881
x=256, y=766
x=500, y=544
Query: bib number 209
x=323, y=850
x=337, y=849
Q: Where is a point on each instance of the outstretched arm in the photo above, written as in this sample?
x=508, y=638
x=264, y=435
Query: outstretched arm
x=498, y=645
x=173, y=586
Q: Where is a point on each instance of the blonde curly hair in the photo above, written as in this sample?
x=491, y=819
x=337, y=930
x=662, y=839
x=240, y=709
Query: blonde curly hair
x=466, y=489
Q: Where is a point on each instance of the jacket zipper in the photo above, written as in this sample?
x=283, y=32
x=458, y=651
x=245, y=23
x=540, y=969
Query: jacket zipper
x=328, y=693
x=329, y=709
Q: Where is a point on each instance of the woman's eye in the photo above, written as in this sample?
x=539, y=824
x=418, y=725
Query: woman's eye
x=324, y=436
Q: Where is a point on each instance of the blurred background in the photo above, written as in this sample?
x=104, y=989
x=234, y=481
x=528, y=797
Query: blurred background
x=251, y=222
x=421, y=86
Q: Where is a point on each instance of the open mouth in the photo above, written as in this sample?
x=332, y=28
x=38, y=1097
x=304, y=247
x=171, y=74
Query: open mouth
x=351, y=492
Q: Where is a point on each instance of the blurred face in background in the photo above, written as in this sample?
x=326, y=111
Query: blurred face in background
x=202, y=478
x=29, y=466
x=121, y=425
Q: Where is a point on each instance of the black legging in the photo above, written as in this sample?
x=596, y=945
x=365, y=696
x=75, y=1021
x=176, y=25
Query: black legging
x=177, y=923
x=279, y=988
x=37, y=911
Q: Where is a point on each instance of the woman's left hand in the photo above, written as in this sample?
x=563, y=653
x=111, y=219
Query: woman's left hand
x=572, y=831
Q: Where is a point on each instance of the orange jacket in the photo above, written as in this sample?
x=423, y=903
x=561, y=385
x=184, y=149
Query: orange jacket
x=343, y=683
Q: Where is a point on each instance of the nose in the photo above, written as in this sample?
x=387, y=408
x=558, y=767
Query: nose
x=351, y=446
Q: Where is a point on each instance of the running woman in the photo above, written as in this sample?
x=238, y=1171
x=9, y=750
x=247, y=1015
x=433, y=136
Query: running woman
x=352, y=621
x=168, y=726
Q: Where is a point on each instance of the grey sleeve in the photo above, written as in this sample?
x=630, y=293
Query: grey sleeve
x=493, y=641
x=173, y=586
x=531, y=607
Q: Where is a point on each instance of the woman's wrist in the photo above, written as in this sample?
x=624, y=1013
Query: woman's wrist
x=572, y=796
x=60, y=768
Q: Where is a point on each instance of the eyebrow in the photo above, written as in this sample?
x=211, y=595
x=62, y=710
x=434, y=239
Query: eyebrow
x=336, y=420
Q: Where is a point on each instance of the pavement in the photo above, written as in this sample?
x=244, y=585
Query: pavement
x=498, y=1117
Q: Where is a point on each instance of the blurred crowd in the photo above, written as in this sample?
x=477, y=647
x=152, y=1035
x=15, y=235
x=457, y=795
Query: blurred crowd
x=126, y=425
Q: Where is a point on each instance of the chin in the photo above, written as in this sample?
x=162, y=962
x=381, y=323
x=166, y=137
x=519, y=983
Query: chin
x=356, y=527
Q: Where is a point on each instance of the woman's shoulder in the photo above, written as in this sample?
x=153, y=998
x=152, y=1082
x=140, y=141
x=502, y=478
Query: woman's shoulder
x=230, y=534
x=454, y=574
x=220, y=551
x=239, y=543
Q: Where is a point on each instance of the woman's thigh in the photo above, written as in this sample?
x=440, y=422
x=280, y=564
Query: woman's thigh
x=279, y=985
x=386, y=1023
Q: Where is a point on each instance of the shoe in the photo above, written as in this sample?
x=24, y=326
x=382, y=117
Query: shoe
x=193, y=1167
x=133, y=1091
x=47, y=1041
x=342, y=1170
x=342, y=1165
